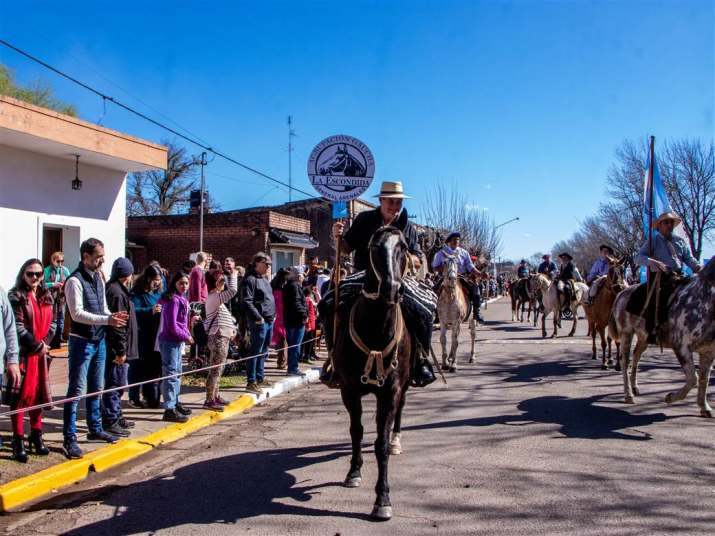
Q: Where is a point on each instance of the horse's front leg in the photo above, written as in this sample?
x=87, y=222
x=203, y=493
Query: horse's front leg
x=456, y=328
x=602, y=333
x=353, y=403
x=443, y=341
x=395, y=442
x=387, y=403
x=574, y=312
x=543, y=324
x=473, y=334
x=557, y=321
x=641, y=345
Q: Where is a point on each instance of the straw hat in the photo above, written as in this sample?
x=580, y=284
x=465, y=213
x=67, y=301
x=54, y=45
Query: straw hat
x=392, y=190
x=668, y=216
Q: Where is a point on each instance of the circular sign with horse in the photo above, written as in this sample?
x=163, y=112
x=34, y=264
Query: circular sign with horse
x=341, y=168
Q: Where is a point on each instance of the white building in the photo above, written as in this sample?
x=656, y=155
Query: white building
x=40, y=212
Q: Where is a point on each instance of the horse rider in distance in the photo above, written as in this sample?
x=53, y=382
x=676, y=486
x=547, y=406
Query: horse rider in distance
x=599, y=271
x=548, y=267
x=357, y=239
x=522, y=272
x=568, y=274
x=670, y=253
x=466, y=267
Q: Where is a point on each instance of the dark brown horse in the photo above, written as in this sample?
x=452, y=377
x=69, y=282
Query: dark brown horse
x=372, y=356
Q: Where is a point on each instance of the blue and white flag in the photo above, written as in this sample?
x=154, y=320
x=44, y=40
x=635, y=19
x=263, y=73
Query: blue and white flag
x=661, y=203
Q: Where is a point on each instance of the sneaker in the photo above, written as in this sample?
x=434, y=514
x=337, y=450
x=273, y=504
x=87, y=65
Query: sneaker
x=309, y=361
x=117, y=430
x=137, y=404
x=295, y=373
x=264, y=383
x=126, y=423
x=71, y=448
x=181, y=409
x=101, y=437
x=221, y=401
x=172, y=415
x=253, y=388
x=213, y=405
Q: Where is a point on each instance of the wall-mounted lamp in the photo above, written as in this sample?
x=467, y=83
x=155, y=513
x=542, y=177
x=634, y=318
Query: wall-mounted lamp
x=76, y=183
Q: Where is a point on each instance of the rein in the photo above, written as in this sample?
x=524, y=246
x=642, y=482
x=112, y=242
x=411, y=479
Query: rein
x=375, y=359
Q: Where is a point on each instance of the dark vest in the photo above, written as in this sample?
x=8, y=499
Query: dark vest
x=92, y=302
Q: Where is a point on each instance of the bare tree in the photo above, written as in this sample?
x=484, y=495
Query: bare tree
x=449, y=210
x=166, y=192
x=688, y=170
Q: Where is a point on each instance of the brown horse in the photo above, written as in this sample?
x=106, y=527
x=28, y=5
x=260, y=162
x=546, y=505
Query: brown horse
x=599, y=313
x=372, y=356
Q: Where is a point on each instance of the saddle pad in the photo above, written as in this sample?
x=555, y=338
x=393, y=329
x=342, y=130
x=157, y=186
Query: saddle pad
x=419, y=304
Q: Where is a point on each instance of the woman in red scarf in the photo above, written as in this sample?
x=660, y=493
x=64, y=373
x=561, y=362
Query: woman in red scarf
x=28, y=383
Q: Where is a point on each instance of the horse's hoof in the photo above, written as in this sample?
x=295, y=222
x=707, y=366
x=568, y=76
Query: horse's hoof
x=593, y=356
x=471, y=360
x=618, y=367
x=630, y=400
x=395, y=450
x=381, y=513
x=604, y=366
x=636, y=391
x=452, y=369
x=445, y=367
x=669, y=398
x=707, y=413
x=353, y=482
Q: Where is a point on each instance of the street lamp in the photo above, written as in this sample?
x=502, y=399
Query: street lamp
x=497, y=227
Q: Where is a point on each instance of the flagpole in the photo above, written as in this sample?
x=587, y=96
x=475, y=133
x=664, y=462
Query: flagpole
x=650, y=204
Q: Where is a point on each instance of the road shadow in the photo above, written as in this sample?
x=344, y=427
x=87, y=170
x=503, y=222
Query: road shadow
x=536, y=372
x=577, y=418
x=223, y=490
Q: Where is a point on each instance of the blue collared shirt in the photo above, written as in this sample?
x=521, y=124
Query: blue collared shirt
x=599, y=268
x=466, y=265
x=674, y=253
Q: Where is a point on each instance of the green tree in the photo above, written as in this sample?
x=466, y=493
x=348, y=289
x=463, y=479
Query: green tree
x=38, y=93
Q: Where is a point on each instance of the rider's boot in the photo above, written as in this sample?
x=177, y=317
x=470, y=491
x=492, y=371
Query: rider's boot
x=422, y=373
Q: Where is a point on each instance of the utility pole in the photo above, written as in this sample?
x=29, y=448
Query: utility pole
x=201, y=206
x=291, y=135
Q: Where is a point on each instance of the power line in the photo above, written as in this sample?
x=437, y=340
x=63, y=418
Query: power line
x=129, y=109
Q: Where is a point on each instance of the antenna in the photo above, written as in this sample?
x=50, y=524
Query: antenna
x=291, y=135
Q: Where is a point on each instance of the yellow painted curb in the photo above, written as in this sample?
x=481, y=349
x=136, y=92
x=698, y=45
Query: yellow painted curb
x=198, y=422
x=122, y=451
x=238, y=406
x=31, y=487
x=165, y=435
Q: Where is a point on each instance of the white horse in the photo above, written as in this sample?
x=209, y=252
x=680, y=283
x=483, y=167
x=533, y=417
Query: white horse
x=553, y=302
x=452, y=309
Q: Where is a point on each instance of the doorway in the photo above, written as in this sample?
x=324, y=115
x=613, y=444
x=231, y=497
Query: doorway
x=51, y=242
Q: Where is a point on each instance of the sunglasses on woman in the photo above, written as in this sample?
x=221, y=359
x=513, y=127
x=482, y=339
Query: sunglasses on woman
x=37, y=275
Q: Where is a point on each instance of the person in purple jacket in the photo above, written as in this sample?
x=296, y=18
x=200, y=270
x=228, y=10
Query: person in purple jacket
x=173, y=334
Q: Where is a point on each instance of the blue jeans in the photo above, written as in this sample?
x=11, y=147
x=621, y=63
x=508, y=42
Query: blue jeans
x=171, y=353
x=86, y=371
x=261, y=335
x=294, y=336
x=115, y=376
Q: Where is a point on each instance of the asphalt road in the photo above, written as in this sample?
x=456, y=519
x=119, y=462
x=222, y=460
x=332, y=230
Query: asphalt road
x=532, y=439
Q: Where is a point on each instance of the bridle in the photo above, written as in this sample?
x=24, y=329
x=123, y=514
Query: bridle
x=376, y=358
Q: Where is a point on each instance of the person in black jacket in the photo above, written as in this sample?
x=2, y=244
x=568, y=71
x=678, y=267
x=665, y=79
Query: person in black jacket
x=565, y=281
x=260, y=309
x=295, y=315
x=122, y=346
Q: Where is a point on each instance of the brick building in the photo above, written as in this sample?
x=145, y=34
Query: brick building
x=237, y=233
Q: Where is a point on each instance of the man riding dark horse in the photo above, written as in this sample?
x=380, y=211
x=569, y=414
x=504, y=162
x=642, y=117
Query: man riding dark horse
x=465, y=268
x=568, y=275
x=522, y=272
x=599, y=271
x=665, y=260
x=357, y=240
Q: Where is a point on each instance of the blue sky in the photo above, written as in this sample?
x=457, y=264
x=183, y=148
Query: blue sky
x=521, y=104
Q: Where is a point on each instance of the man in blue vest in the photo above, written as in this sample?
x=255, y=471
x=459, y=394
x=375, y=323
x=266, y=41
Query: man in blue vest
x=84, y=291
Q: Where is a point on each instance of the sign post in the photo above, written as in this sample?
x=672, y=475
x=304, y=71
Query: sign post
x=340, y=168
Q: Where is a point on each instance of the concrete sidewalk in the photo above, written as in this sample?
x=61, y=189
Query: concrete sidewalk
x=147, y=421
